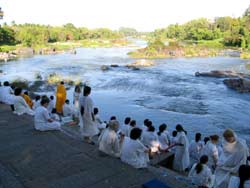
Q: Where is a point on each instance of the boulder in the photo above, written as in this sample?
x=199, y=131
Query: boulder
x=141, y=63
x=240, y=85
x=222, y=74
x=105, y=68
x=114, y=65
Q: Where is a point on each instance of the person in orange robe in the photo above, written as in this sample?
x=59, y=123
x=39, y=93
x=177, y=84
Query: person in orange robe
x=27, y=99
x=60, y=97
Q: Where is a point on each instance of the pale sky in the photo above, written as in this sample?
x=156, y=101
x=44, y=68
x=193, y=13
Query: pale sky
x=143, y=15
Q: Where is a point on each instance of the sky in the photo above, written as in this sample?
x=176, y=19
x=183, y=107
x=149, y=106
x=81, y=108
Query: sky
x=143, y=15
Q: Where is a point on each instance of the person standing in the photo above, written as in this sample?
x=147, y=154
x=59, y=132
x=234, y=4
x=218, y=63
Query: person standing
x=60, y=97
x=89, y=128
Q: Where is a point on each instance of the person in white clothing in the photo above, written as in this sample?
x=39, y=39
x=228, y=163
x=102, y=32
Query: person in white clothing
x=76, y=96
x=1, y=92
x=109, y=143
x=181, y=159
x=37, y=102
x=54, y=115
x=235, y=153
x=124, y=127
x=132, y=125
x=241, y=181
x=201, y=174
x=173, y=141
x=195, y=148
x=163, y=137
x=99, y=123
x=43, y=122
x=67, y=109
x=150, y=140
x=211, y=150
x=20, y=105
x=52, y=104
x=133, y=151
x=89, y=128
x=7, y=95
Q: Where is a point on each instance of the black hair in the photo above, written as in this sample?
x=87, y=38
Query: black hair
x=174, y=133
x=127, y=120
x=86, y=90
x=38, y=97
x=67, y=101
x=18, y=91
x=214, y=137
x=135, y=133
x=197, y=137
x=51, y=97
x=112, y=118
x=199, y=166
x=62, y=82
x=149, y=123
x=44, y=100
x=145, y=121
x=53, y=111
x=26, y=93
x=95, y=111
x=244, y=174
x=206, y=139
x=179, y=128
x=151, y=128
x=132, y=123
x=6, y=83
x=78, y=89
x=162, y=128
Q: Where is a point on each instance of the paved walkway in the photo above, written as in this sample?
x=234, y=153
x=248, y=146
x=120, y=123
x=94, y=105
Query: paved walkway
x=31, y=159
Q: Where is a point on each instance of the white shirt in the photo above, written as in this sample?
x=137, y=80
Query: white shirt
x=150, y=140
x=51, y=105
x=67, y=110
x=164, y=140
x=195, y=149
x=211, y=151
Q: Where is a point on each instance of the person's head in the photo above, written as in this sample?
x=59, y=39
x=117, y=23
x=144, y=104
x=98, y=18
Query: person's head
x=53, y=111
x=127, y=120
x=67, y=101
x=174, y=133
x=214, y=138
x=162, y=128
x=51, y=97
x=26, y=93
x=203, y=161
x=132, y=123
x=6, y=83
x=86, y=91
x=135, y=133
x=229, y=135
x=78, y=89
x=114, y=125
x=151, y=128
x=148, y=124
x=145, y=122
x=179, y=128
x=18, y=91
x=244, y=174
x=38, y=97
x=44, y=97
x=96, y=111
x=62, y=82
x=206, y=139
x=197, y=137
x=45, y=101
x=112, y=118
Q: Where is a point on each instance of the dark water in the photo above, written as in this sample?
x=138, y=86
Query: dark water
x=168, y=92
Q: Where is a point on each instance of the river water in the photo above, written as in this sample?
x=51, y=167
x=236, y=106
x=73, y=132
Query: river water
x=166, y=93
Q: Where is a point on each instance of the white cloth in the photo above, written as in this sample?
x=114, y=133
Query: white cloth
x=150, y=140
x=76, y=97
x=134, y=153
x=235, y=182
x=109, y=143
x=50, y=106
x=21, y=107
x=67, y=110
x=41, y=120
x=164, y=140
x=1, y=93
x=234, y=155
x=54, y=116
x=89, y=128
x=36, y=104
x=204, y=178
x=181, y=159
x=7, y=95
x=100, y=125
x=124, y=129
x=212, y=152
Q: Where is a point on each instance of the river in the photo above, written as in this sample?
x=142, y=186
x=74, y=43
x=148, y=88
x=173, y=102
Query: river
x=166, y=93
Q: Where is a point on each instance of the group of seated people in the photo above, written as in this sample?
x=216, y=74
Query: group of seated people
x=208, y=164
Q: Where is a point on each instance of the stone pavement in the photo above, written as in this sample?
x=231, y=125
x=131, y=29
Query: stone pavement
x=32, y=159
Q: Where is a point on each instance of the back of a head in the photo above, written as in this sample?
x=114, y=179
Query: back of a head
x=135, y=133
x=96, y=111
x=228, y=133
x=26, y=93
x=174, y=133
x=179, y=128
x=149, y=123
x=206, y=139
x=44, y=100
x=127, y=120
x=145, y=121
x=53, y=111
x=244, y=174
x=214, y=138
x=86, y=90
x=38, y=97
x=67, y=101
x=199, y=166
x=6, y=83
x=151, y=128
x=197, y=137
x=51, y=97
x=113, y=125
x=112, y=118
x=132, y=123
x=62, y=82
x=162, y=127
x=77, y=89
x=18, y=91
